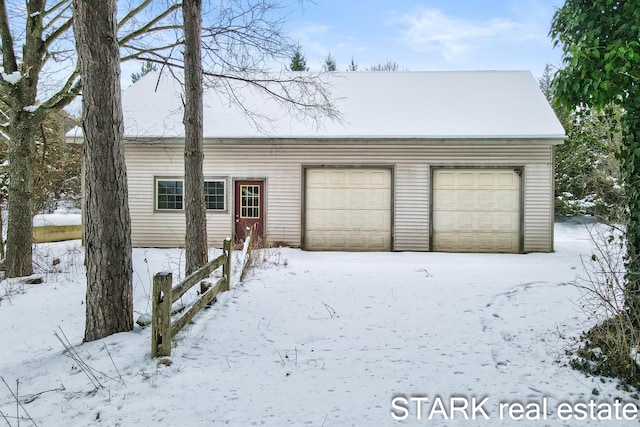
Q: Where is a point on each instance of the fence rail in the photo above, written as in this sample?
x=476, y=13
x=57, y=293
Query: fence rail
x=164, y=295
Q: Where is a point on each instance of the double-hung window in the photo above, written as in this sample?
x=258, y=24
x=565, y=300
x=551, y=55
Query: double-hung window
x=170, y=194
x=214, y=195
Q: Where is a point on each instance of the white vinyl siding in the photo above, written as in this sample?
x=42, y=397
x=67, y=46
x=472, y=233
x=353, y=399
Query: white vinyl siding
x=281, y=166
x=348, y=209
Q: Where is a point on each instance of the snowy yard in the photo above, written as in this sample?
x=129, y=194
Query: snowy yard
x=317, y=339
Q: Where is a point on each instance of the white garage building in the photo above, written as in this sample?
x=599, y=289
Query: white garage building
x=420, y=161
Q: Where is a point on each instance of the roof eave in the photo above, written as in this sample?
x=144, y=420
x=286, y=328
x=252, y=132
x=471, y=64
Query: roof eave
x=552, y=139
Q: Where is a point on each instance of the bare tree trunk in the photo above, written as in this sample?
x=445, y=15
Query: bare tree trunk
x=107, y=229
x=22, y=150
x=25, y=121
x=195, y=210
x=2, y=253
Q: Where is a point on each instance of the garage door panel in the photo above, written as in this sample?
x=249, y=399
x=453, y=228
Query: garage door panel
x=324, y=198
x=379, y=179
x=345, y=220
x=508, y=223
x=316, y=178
x=509, y=201
x=466, y=180
x=348, y=209
x=317, y=199
x=508, y=180
x=493, y=243
x=356, y=178
x=486, y=180
x=356, y=241
x=474, y=223
x=446, y=180
x=338, y=178
x=476, y=210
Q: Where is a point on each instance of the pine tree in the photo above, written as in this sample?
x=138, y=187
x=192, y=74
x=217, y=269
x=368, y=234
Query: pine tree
x=145, y=69
x=353, y=66
x=195, y=211
x=298, y=61
x=109, y=307
x=330, y=63
x=387, y=67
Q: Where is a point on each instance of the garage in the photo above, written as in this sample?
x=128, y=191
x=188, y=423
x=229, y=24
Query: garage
x=476, y=210
x=347, y=209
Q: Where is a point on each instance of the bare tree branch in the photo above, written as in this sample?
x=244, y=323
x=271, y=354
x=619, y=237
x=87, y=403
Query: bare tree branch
x=57, y=6
x=8, y=54
x=129, y=16
x=311, y=94
x=58, y=32
x=140, y=52
x=53, y=20
x=66, y=94
x=145, y=29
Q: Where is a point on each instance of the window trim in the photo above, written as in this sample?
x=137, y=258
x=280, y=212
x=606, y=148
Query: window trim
x=156, y=195
x=222, y=179
x=225, y=204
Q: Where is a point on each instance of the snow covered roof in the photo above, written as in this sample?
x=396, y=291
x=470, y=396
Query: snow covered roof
x=396, y=105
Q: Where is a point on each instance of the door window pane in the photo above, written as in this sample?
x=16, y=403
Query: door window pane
x=250, y=201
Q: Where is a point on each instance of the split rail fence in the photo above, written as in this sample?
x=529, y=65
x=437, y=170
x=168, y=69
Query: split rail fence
x=163, y=330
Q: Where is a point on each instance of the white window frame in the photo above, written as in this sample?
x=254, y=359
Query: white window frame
x=224, y=193
x=180, y=179
x=156, y=201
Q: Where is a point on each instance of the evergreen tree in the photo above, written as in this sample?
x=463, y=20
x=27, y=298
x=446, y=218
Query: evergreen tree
x=387, y=67
x=330, y=63
x=601, y=54
x=298, y=61
x=587, y=170
x=353, y=66
x=145, y=69
x=587, y=173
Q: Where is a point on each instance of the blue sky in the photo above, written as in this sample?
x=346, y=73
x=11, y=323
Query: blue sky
x=428, y=34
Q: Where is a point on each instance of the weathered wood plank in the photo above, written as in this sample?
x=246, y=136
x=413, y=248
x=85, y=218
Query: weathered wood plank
x=204, y=299
x=197, y=276
x=163, y=330
x=246, y=253
x=226, y=267
x=161, y=315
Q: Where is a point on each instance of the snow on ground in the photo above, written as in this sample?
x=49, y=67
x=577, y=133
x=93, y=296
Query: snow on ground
x=60, y=217
x=313, y=339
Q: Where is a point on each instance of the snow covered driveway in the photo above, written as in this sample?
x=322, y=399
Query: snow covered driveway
x=322, y=339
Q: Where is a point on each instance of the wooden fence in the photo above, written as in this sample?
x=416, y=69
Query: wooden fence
x=164, y=295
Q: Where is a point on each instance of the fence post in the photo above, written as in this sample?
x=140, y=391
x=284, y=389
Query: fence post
x=248, y=236
x=226, y=267
x=161, y=315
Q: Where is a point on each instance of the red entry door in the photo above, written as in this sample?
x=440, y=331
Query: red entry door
x=249, y=208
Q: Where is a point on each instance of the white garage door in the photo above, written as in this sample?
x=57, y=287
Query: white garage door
x=476, y=210
x=348, y=209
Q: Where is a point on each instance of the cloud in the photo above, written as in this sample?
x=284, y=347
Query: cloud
x=432, y=30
